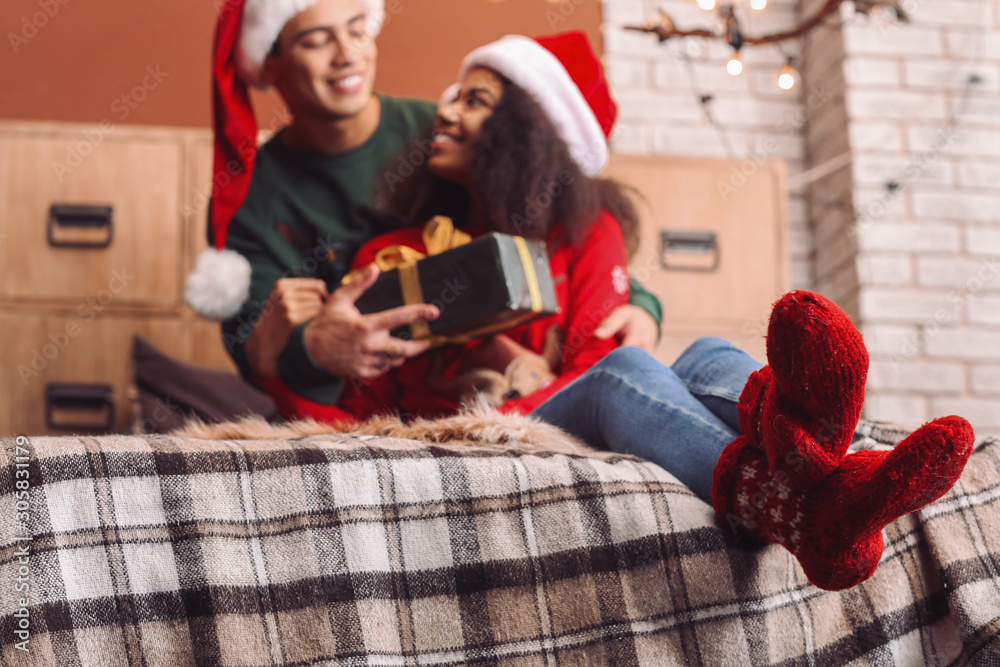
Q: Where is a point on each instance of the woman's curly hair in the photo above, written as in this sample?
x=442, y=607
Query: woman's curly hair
x=525, y=177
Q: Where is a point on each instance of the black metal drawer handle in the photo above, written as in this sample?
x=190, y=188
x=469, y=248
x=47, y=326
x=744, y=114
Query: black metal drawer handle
x=91, y=226
x=701, y=244
x=80, y=407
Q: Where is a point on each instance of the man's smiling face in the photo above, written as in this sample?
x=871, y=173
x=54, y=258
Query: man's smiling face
x=324, y=65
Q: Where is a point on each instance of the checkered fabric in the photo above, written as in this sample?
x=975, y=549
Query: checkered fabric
x=153, y=550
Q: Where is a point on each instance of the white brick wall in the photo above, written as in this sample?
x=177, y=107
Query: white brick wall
x=876, y=136
x=882, y=235
x=964, y=343
x=984, y=309
x=864, y=38
x=929, y=254
x=937, y=204
x=971, y=275
x=982, y=240
x=937, y=73
x=967, y=141
x=881, y=270
x=971, y=13
x=976, y=174
x=895, y=104
x=982, y=413
x=933, y=377
x=888, y=304
x=871, y=72
x=919, y=268
x=986, y=380
x=892, y=340
x=876, y=169
x=907, y=408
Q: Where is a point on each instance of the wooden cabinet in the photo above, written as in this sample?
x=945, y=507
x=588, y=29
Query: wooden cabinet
x=60, y=257
x=715, y=255
x=73, y=290
x=52, y=346
x=99, y=226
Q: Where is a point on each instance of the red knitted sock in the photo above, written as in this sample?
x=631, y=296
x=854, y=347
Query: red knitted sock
x=788, y=479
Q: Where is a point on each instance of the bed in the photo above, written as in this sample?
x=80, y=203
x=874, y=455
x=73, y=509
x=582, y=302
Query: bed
x=367, y=550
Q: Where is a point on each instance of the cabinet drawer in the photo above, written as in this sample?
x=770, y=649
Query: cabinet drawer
x=728, y=281
x=139, y=178
x=48, y=348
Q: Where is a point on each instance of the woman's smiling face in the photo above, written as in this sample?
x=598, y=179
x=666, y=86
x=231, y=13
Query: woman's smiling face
x=459, y=124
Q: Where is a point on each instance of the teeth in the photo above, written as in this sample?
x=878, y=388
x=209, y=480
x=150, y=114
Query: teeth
x=443, y=138
x=347, y=82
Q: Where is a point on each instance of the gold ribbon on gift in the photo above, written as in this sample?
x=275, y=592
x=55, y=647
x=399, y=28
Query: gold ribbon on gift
x=439, y=234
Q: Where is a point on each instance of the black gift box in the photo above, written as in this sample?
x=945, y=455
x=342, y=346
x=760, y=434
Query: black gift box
x=490, y=284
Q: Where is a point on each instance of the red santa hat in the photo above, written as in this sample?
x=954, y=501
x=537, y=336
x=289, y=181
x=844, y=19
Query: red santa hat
x=565, y=77
x=244, y=35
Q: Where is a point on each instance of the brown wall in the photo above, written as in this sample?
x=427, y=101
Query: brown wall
x=94, y=60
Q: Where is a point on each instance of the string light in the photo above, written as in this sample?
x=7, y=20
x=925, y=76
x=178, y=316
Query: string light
x=735, y=38
x=788, y=77
x=665, y=28
x=665, y=31
x=731, y=25
x=735, y=64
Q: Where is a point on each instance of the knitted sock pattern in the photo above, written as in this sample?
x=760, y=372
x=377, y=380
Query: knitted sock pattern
x=788, y=478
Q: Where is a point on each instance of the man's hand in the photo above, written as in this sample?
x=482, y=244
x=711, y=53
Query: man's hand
x=345, y=342
x=633, y=325
x=292, y=301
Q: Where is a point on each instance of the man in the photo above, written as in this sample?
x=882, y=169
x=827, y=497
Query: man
x=309, y=205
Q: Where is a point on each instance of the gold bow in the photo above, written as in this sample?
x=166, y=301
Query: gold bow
x=439, y=235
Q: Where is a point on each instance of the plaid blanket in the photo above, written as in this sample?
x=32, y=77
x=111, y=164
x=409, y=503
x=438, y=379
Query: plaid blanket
x=152, y=550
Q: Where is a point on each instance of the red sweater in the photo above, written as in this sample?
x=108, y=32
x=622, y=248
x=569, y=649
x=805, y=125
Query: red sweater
x=591, y=280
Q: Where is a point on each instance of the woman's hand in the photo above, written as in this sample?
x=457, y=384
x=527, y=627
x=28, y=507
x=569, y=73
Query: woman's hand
x=292, y=302
x=633, y=325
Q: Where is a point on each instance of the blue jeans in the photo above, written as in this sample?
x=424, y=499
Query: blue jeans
x=679, y=417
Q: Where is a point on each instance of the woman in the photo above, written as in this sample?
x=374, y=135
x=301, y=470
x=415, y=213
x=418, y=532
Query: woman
x=516, y=149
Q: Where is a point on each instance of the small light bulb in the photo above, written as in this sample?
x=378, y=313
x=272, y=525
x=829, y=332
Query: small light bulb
x=786, y=79
x=707, y=5
x=735, y=64
x=758, y=4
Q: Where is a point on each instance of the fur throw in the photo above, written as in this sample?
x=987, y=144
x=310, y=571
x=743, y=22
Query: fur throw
x=477, y=426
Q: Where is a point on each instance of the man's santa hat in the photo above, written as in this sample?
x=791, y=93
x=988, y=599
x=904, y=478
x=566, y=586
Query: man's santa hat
x=565, y=77
x=244, y=35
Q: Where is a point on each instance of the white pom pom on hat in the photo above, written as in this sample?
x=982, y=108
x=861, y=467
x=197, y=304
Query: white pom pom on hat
x=244, y=35
x=219, y=284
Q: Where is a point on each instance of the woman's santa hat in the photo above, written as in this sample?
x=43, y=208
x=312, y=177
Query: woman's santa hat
x=245, y=32
x=565, y=77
